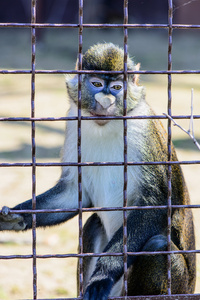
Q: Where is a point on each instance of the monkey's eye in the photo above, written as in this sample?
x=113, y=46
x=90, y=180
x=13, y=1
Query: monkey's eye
x=96, y=82
x=116, y=85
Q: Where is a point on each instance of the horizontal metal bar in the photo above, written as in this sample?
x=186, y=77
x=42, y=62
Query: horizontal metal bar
x=106, y=25
x=141, y=72
x=20, y=119
x=159, y=297
x=87, y=164
x=95, y=209
x=103, y=254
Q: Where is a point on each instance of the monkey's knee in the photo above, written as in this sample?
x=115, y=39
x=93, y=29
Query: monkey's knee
x=149, y=274
x=156, y=243
x=158, y=263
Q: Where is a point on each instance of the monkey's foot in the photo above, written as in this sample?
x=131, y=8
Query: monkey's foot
x=10, y=221
x=98, y=289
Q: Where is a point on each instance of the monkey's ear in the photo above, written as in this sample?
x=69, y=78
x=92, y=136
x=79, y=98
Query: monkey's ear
x=137, y=76
x=76, y=67
x=71, y=80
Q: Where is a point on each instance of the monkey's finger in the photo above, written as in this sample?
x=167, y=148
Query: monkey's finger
x=6, y=216
x=5, y=210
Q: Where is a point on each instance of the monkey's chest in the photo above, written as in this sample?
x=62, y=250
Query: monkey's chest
x=104, y=187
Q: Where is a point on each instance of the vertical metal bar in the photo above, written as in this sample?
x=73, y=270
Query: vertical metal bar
x=33, y=43
x=125, y=149
x=170, y=14
x=79, y=148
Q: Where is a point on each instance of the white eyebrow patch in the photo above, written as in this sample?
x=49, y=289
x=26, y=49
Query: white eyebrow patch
x=117, y=85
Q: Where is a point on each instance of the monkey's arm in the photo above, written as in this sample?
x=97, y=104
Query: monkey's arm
x=62, y=196
x=142, y=225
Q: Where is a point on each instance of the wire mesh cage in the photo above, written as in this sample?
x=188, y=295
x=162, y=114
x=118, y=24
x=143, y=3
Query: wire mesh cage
x=34, y=164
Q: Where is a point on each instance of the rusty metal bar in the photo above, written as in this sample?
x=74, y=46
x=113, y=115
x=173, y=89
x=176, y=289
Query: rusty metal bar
x=125, y=256
x=169, y=210
x=85, y=164
x=68, y=25
x=161, y=297
x=19, y=119
x=33, y=52
x=80, y=46
x=148, y=72
x=94, y=209
x=72, y=255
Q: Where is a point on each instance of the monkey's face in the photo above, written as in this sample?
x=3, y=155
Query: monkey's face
x=103, y=95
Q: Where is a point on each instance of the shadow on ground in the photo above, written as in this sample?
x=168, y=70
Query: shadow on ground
x=24, y=152
x=185, y=144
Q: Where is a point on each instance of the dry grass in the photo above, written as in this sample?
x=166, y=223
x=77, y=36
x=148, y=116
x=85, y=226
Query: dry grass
x=57, y=277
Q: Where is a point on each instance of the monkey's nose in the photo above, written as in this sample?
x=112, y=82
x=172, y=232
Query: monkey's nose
x=105, y=100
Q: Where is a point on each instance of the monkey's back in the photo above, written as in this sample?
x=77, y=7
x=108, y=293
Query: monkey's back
x=182, y=227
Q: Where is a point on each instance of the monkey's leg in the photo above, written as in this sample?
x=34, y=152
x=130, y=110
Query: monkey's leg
x=94, y=241
x=148, y=275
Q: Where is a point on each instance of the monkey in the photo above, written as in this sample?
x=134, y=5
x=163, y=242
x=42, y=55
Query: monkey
x=102, y=140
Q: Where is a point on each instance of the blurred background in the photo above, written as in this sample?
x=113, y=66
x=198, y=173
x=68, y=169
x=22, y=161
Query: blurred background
x=57, y=49
x=66, y=11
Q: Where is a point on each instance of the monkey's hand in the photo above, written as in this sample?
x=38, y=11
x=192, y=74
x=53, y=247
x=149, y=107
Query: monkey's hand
x=98, y=289
x=10, y=221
